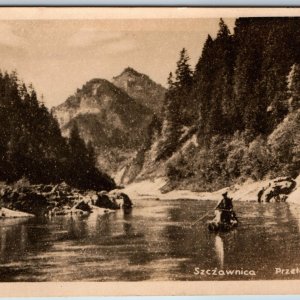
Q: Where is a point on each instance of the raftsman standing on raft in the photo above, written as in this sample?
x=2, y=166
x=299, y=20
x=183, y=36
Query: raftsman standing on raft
x=225, y=217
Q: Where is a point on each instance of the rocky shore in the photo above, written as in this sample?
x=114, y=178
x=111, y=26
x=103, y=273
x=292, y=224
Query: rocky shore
x=281, y=189
x=61, y=199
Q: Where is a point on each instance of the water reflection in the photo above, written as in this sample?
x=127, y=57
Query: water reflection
x=76, y=229
x=127, y=226
x=103, y=225
x=149, y=242
x=219, y=248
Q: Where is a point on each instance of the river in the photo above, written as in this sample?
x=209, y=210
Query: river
x=153, y=241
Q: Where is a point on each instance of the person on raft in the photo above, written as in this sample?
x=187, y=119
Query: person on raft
x=224, y=212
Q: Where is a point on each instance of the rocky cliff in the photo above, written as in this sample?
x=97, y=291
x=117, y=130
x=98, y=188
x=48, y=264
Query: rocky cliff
x=116, y=122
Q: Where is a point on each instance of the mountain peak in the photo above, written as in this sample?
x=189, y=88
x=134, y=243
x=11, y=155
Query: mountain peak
x=141, y=88
x=130, y=71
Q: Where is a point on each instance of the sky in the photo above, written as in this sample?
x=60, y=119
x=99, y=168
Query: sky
x=59, y=56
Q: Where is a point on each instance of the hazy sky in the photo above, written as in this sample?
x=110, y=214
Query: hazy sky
x=58, y=57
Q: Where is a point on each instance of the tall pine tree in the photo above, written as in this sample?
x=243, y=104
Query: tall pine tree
x=176, y=107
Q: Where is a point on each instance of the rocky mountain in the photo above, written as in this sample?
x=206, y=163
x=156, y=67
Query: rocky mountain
x=143, y=89
x=115, y=123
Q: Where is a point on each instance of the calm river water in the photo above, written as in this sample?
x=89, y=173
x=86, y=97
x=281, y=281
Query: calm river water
x=152, y=242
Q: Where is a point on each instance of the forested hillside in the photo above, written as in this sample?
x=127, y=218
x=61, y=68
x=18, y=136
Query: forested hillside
x=32, y=146
x=236, y=115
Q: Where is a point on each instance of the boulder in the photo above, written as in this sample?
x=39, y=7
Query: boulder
x=106, y=201
x=82, y=205
x=277, y=190
x=127, y=203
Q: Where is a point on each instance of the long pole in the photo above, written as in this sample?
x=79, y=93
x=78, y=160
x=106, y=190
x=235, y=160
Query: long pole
x=200, y=219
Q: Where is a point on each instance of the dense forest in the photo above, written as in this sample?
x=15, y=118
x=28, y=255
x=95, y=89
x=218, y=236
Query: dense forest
x=241, y=102
x=33, y=148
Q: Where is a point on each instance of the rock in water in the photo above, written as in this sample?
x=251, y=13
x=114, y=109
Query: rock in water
x=106, y=201
x=83, y=206
x=127, y=203
x=115, y=194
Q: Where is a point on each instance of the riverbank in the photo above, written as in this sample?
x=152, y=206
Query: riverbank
x=62, y=199
x=6, y=213
x=24, y=200
x=248, y=191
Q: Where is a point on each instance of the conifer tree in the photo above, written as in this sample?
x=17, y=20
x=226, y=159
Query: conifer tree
x=202, y=87
x=220, y=117
x=293, y=82
x=176, y=106
x=184, y=74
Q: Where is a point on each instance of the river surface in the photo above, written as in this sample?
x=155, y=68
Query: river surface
x=153, y=241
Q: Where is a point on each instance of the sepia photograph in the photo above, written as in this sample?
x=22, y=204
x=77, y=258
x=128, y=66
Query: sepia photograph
x=149, y=145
